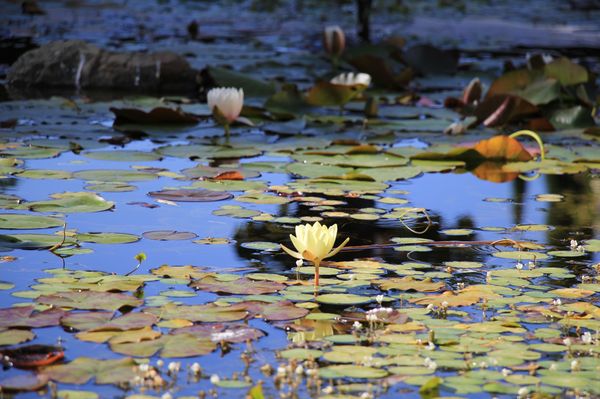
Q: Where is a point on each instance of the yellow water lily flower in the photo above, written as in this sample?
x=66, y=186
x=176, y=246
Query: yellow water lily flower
x=314, y=243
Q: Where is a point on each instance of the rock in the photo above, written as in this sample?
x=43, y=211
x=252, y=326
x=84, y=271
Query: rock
x=79, y=64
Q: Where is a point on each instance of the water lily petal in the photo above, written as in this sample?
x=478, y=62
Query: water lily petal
x=290, y=252
x=338, y=249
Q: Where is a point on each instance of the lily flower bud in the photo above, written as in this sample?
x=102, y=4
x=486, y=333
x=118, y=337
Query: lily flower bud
x=228, y=101
x=334, y=40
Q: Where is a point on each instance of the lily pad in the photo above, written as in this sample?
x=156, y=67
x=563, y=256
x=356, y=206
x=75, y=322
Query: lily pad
x=70, y=202
x=242, y=286
x=343, y=299
x=197, y=195
x=169, y=235
x=13, y=221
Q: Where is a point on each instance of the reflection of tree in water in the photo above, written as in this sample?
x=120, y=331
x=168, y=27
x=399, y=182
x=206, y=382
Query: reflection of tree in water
x=360, y=233
x=577, y=214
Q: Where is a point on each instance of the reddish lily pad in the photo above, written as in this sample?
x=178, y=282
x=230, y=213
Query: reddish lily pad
x=33, y=355
x=23, y=382
x=26, y=316
x=90, y=300
x=234, y=333
x=242, y=286
x=277, y=311
x=101, y=321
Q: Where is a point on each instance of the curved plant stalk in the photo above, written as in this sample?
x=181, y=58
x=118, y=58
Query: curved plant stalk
x=141, y=257
x=530, y=178
x=538, y=140
x=422, y=210
x=62, y=242
x=533, y=135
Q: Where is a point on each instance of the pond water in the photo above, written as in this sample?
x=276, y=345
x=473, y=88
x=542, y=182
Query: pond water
x=148, y=251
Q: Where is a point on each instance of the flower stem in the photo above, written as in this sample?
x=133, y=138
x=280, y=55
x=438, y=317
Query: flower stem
x=227, y=132
x=317, y=264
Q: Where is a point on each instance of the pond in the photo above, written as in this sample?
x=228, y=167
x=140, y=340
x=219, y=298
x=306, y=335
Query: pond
x=141, y=253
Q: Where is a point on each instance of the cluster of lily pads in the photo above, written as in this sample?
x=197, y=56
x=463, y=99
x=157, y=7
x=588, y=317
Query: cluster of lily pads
x=523, y=320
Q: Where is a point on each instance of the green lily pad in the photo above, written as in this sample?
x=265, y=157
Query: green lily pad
x=123, y=155
x=114, y=175
x=343, y=299
x=89, y=300
x=520, y=255
x=261, y=246
x=14, y=221
x=13, y=337
x=83, y=369
x=70, y=202
x=107, y=238
x=45, y=174
x=351, y=371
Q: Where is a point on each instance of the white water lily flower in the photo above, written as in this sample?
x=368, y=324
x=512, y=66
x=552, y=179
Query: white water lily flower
x=215, y=379
x=334, y=40
x=314, y=242
x=352, y=79
x=228, y=100
x=586, y=338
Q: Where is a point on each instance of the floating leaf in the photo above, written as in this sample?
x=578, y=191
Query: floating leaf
x=70, y=202
x=343, y=299
x=90, y=300
x=103, y=321
x=205, y=313
x=180, y=345
x=26, y=222
x=168, y=235
x=13, y=337
x=23, y=382
x=123, y=155
x=408, y=283
x=114, y=175
x=83, y=369
x=185, y=272
x=107, y=238
x=25, y=316
x=261, y=246
x=158, y=115
x=197, y=195
x=351, y=371
x=281, y=310
x=242, y=286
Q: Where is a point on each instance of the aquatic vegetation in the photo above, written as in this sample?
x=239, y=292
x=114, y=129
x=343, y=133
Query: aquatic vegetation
x=314, y=243
x=141, y=249
x=226, y=104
